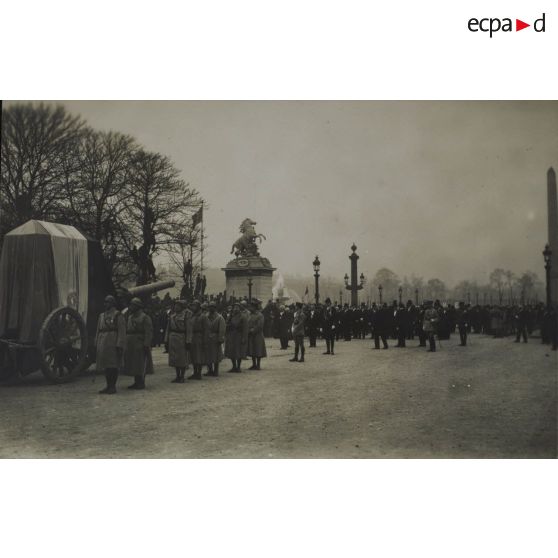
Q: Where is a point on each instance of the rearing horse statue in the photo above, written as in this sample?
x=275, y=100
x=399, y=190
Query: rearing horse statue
x=246, y=244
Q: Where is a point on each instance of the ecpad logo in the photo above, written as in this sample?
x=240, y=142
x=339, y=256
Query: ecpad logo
x=493, y=25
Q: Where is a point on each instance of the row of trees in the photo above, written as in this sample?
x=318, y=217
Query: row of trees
x=55, y=167
x=504, y=287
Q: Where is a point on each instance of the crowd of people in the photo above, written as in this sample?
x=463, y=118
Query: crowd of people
x=202, y=333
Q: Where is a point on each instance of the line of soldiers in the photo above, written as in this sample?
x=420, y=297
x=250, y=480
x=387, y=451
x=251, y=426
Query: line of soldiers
x=195, y=334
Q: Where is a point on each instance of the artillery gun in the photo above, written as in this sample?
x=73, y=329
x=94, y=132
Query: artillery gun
x=53, y=281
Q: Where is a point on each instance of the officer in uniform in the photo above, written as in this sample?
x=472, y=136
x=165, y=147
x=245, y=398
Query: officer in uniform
x=139, y=334
x=329, y=327
x=429, y=324
x=522, y=319
x=109, y=341
x=178, y=339
x=463, y=323
x=236, y=337
x=216, y=339
x=200, y=340
x=298, y=333
x=256, y=340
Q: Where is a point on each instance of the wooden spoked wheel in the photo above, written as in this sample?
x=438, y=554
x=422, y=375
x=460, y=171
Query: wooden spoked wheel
x=63, y=345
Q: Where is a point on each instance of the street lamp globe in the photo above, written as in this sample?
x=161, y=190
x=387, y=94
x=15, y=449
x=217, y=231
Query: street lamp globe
x=362, y=279
x=346, y=280
x=316, y=264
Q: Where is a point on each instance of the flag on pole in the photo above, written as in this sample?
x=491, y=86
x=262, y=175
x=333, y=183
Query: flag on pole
x=197, y=217
x=306, y=295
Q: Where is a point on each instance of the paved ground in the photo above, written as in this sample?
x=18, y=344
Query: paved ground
x=492, y=399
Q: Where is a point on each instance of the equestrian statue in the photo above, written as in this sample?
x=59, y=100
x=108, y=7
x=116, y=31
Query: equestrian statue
x=246, y=244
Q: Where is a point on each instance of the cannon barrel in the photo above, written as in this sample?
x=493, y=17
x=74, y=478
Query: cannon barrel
x=143, y=290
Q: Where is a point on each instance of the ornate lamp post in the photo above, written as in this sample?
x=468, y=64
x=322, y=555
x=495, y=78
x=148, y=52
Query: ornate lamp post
x=380, y=289
x=400, y=294
x=547, y=254
x=250, y=283
x=416, y=297
x=316, y=264
x=354, y=286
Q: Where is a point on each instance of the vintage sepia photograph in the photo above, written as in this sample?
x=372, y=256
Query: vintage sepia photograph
x=278, y=279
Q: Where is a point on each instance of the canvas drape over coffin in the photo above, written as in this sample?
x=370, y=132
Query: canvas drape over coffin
x=43, y=266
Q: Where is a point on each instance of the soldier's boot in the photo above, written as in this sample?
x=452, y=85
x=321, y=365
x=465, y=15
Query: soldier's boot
x=332, y=345
x=432, y=348
x=209, y=370
x=197, y=373
x=139, y=383
x=177, y=379
x=253, y=367
x=112, y=379
x=216, y=369
x=302, y=351
x=106, y=389
x=328, y=347
x=258, y=362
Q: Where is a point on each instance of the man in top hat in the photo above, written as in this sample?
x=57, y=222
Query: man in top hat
x=216, y=338
x=139, y=334
x=178, y=339
x=109, y=341
x=256, y=340
x=329, y=326
x=284, y=324
x=298, y=333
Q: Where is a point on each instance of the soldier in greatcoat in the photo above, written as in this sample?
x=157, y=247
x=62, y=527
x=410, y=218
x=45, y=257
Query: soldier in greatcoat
x=178, y=338
x=256, y=340
x=329, y=321
x=298, y=331
x=109, y=341
x=236, y=338
x=139, y=334
x=216, y=339
x=430, y=324
x=200, y=340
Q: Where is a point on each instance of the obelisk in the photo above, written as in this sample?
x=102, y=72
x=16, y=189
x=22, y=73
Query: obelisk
x=553, y=232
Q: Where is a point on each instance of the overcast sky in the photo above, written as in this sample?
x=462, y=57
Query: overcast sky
x=437, y=189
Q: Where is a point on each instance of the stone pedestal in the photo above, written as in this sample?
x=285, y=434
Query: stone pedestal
x=239, y=271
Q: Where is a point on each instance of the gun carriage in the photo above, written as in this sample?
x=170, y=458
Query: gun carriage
x=53, y=281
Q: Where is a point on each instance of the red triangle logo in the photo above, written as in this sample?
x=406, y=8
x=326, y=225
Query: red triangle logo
x=519, y=25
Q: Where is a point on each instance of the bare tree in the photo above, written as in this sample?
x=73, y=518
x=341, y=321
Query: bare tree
x=497, y=282
x=389, y=281
x=36, y=141
x=436, y=289
x=159, y=207
x=97, y=172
